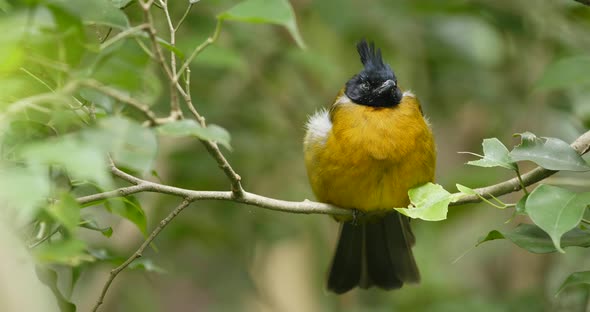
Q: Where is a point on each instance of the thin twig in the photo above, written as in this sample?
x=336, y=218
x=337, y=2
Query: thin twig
x=151, y=30
x=140, y=185
x=188, y=9
x=175, y=112
x=213, y=149
x=211, y=146
x=124, y=34
x=120, y=96
x=200, y=49
x=137, y=254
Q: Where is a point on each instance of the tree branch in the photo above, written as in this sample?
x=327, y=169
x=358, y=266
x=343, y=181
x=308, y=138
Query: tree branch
x=151, y=30
x=581, y=145
x=173, y=76
x=137, y=254
x=212, y=148
x=140, y=185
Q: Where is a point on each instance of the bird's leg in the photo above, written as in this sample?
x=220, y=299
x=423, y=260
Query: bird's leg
x=355, y=216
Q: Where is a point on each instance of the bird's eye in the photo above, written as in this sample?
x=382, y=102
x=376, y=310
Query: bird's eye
x=365, y=85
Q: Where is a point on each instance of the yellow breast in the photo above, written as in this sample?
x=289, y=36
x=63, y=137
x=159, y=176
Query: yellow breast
x=368, y=158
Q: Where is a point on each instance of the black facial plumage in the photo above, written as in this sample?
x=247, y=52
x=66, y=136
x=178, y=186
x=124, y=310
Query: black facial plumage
x=376, y=84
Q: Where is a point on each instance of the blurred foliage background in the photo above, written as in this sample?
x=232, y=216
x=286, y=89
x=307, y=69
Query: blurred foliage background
x=476, y=67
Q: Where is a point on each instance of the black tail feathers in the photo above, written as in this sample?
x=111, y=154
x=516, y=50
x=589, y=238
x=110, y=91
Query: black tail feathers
x=374, y=253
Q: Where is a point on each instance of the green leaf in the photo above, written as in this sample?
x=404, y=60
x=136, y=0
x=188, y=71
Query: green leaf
x=146, y=265
x=131, y=145
x=495, y=155
x=556, y=210
x=23, y=191
x=102, y=12
x=168, y=46
x=93, y=225
x=277, y=12
x=70, y=252
x=429, y=202
x=130, y=210
x=549, y=153
x=535, y=240
x=575, y=279
x=492, y=235
x=50, y=279
x=66, y=211
x=566, y=73
x=84, y=160
x=189, y=127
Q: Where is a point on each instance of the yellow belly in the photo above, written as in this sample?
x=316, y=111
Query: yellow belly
x=371, y=156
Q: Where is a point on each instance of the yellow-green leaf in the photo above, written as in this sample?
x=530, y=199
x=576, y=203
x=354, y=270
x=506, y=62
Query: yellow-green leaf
x=429, y=202
x=495, y=155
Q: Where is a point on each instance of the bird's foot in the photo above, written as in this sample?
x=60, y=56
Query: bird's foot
x=355, y=216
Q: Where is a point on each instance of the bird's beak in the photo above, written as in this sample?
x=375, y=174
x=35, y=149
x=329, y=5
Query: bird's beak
x=386, y=86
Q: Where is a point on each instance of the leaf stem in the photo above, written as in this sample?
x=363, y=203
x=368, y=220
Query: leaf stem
x=526, y=192
x=188, y=9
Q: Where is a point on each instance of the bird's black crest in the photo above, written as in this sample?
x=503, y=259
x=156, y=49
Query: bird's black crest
x=376, y=84
x=370, y=57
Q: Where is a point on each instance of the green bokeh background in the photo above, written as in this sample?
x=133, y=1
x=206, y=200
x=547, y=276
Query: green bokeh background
x=474, y=66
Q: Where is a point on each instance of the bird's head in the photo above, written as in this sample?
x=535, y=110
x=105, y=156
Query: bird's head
x=376, y=84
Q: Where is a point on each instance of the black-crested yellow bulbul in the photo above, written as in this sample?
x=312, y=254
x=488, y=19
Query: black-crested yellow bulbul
x=365, y=153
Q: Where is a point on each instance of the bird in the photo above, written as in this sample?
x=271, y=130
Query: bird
x=364, y=153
